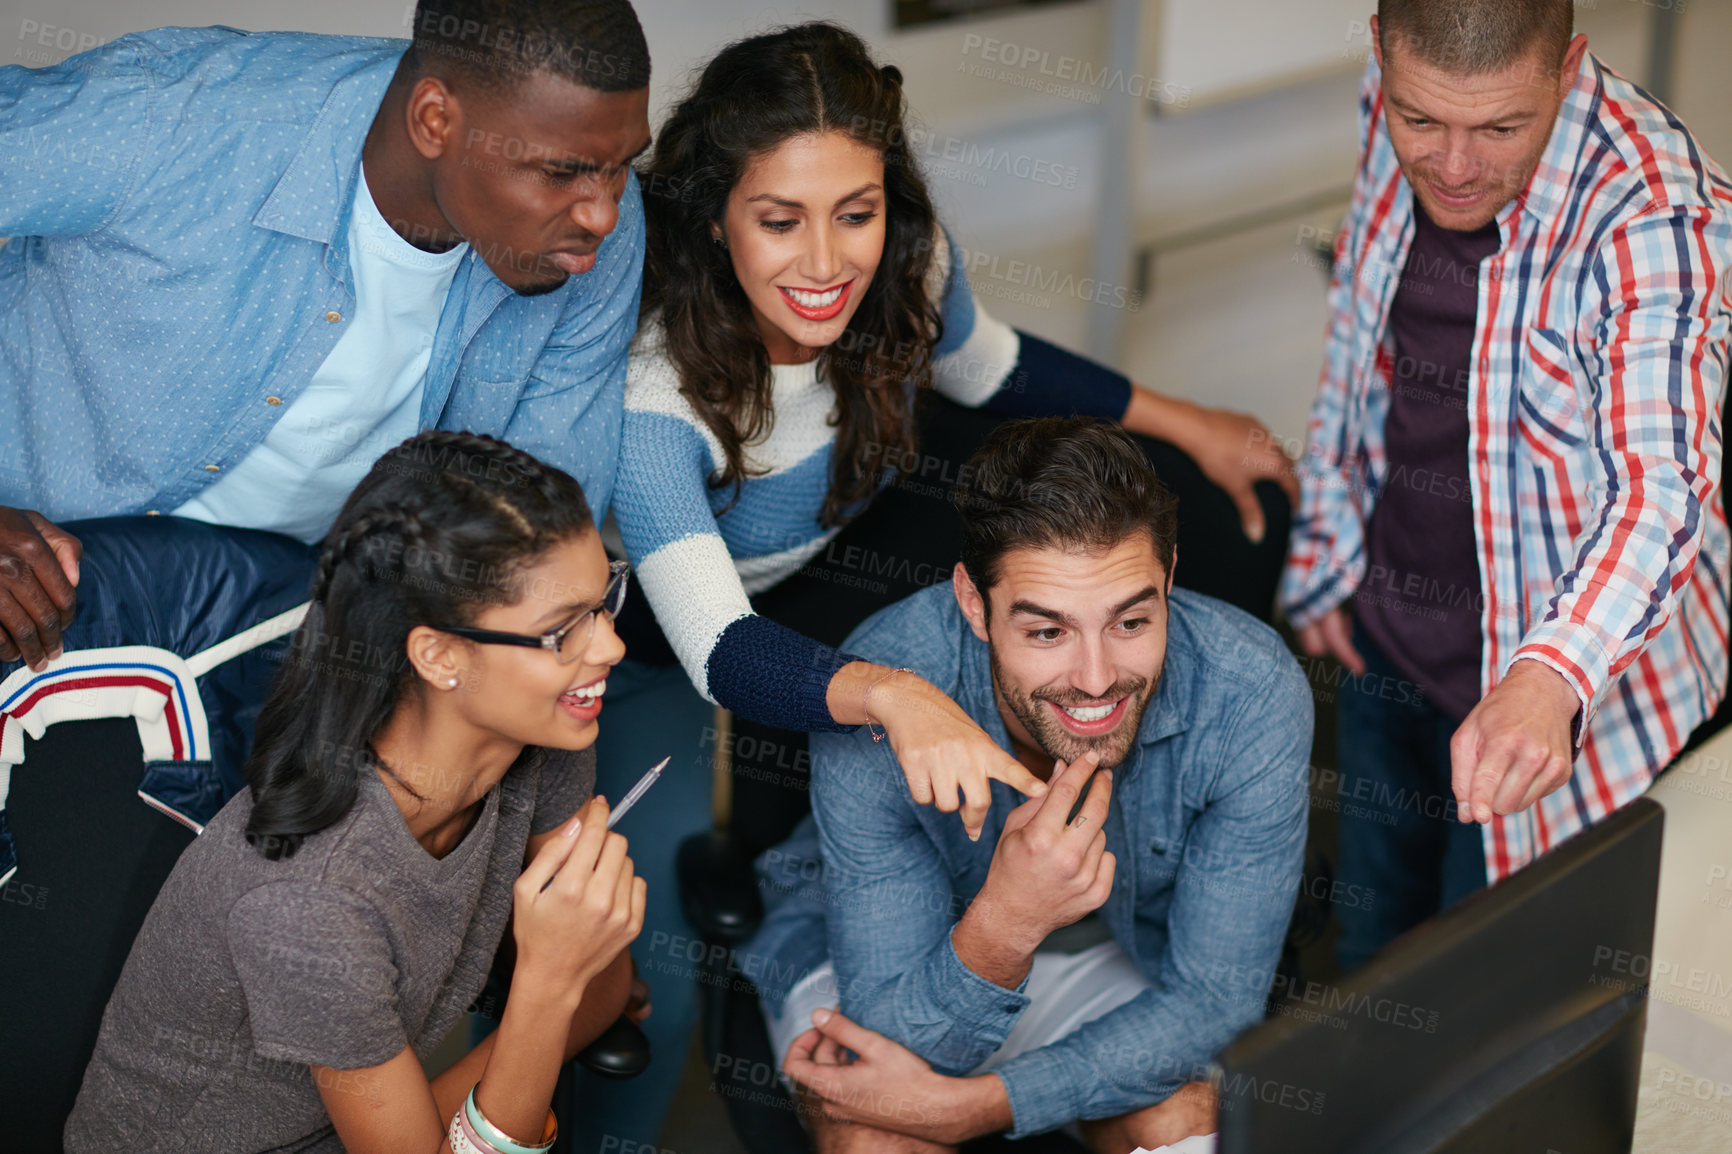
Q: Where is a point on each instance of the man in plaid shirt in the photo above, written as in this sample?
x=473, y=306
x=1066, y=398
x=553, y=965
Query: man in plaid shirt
x=1511, y=530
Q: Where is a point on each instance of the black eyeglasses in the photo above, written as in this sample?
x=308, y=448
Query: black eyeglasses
x=567, y=642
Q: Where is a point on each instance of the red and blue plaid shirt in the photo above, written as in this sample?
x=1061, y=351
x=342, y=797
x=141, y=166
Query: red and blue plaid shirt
x=1594, y=443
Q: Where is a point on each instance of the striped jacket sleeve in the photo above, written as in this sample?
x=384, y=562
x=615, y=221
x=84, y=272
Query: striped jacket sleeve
x=981, y=361
x=749, y=664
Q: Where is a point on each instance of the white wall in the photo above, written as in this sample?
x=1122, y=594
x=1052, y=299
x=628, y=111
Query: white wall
x=682, y=35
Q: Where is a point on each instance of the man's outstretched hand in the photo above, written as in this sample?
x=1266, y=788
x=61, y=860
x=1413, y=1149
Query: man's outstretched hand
x=1234, y=450
x=38, y=586
x=1517, y=745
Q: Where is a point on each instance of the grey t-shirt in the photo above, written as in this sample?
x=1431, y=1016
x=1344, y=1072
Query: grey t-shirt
x=247, y=972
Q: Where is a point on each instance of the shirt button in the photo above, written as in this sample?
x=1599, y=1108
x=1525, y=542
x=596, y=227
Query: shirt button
x=213, y=468
x=273, y=400
x=333, y=316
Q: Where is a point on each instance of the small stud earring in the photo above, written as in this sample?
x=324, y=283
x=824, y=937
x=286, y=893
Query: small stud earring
x=452, y=683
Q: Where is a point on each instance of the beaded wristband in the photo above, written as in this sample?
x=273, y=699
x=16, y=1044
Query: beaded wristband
x=492, y=1138
x=872, y=727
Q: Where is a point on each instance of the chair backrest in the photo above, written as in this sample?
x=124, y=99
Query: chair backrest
x=111, y=761
x=93, y=859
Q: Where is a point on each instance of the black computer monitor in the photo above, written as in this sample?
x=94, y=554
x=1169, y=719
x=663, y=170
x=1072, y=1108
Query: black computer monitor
x=1511, y=1023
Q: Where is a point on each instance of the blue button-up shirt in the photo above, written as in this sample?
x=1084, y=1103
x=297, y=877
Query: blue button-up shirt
x=1207, y=823
x=178, y=204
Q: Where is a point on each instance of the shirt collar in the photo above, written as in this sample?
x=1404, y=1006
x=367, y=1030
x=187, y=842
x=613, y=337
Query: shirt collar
x=1166, y=714
x=1549, y=188
x=314, y=196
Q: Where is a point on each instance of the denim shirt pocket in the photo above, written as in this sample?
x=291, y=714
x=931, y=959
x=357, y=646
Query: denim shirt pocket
x=493, y=368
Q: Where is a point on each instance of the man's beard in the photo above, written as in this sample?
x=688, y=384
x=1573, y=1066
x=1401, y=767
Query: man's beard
x=1499, y=193
x=542, y=288
x=1031, y=708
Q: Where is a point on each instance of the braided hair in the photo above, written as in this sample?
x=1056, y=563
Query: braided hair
x=433, y=534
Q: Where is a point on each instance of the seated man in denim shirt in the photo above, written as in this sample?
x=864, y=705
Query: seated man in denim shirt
x=1184, y=727
x=243, y=265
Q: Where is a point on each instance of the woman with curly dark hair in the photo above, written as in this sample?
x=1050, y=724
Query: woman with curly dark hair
x=799, y=295
x=420, y=780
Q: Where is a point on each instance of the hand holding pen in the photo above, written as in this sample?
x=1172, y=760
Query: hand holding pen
x=631, y=798
x=574, y=908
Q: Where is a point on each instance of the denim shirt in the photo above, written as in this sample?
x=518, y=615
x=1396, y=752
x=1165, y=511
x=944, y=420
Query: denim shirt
x=178, y=205
x=1207, y=824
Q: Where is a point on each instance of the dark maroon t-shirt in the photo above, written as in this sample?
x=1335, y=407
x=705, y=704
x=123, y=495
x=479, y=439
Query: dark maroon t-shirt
x=1420, y=601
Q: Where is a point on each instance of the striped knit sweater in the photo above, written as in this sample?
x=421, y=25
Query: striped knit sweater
x=698, y=560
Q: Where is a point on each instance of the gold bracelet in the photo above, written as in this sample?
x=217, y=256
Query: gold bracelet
x=873, y=727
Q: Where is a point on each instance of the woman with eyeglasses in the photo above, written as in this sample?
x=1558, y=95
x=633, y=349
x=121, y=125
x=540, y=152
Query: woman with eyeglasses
x=421, y=777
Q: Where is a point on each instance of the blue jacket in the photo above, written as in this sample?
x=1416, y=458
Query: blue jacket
x=153, y=592
x=1207, y=824
x=178, y=205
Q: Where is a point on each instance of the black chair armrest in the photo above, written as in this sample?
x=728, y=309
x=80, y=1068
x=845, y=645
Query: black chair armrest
x=718, y=890
x=622, y=1051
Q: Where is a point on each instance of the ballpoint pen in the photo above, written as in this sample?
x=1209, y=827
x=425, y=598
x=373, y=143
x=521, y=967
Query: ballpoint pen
x=630, y=799
x=637, y=791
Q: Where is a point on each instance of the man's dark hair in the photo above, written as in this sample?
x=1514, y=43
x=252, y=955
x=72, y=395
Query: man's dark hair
x=1474, y=37
x=1059, y=482
x=495, y=43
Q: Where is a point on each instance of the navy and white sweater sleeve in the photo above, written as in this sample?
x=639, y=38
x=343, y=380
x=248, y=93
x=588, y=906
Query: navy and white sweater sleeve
x=983, y=361
x=760, y=670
